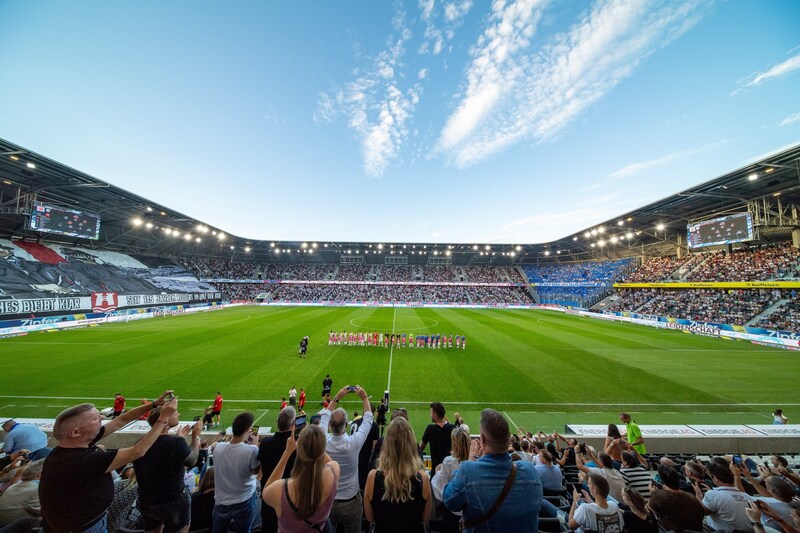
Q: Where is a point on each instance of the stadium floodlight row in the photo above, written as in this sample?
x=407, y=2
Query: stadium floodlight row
x=132, y=224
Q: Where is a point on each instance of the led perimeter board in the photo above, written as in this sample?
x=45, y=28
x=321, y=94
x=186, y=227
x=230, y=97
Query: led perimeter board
x=723, y=230
x=52, y=219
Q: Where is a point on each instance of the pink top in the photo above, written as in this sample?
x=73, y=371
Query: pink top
x=289, y=521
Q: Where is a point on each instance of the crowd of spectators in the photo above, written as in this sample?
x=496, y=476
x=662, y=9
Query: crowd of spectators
x=355, y=272
x=723, y=306
x=663, y=268
x=784, y=318
x=753, y=264
x=398, y=293
x=582, y=272
x=320, y=471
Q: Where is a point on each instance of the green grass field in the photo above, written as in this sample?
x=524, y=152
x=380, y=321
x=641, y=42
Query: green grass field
x=542, y=369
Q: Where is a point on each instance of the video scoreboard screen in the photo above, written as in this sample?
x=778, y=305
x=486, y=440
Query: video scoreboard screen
x=723, y=230
x=64, y=221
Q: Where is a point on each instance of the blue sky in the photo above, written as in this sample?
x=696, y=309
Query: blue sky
x=429, y=121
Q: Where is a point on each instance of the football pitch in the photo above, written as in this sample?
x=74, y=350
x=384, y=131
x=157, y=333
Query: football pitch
x=542, y=369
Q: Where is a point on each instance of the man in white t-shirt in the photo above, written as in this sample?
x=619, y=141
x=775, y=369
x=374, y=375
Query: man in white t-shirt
x=599, y=515
x=725, y=505
x=235, y=468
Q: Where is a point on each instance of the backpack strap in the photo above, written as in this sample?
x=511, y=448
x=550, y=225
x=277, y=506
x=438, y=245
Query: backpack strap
x=474, y=522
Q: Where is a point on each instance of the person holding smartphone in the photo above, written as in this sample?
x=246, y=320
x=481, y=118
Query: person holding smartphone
x=269, y=454
x=344, y=449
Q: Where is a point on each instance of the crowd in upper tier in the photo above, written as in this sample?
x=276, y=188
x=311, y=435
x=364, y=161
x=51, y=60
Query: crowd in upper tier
x=460, y=294
x=205, y=269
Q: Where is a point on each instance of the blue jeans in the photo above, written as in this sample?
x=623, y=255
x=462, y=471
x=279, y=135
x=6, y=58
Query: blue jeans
x=100, y=527
x=241, y=514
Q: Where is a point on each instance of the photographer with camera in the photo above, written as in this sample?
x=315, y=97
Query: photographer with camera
x=344, y=449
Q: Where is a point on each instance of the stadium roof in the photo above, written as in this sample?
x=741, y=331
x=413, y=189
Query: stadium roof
x=769, y=188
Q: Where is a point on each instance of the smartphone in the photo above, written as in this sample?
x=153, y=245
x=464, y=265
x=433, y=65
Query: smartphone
x=299, y=424
x=351, y=388
x=737, y=460
x=170, y=397
x=255, y=430
x=196, y=418
x=657, y=482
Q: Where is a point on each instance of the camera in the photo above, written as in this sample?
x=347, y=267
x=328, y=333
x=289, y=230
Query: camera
x=351, y=388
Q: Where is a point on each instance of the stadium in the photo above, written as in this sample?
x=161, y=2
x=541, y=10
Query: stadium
x=678, y=318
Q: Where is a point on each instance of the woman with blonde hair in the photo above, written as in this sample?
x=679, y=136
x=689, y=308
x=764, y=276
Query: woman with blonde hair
x=304, y=501
x=459, y=451
x=397, y=496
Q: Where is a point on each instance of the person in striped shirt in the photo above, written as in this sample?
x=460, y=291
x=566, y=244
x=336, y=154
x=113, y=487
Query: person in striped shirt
x=635, y=474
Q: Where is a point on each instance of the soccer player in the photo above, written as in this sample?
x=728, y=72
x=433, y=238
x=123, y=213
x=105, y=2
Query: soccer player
x=216, y=409
x=119, y=404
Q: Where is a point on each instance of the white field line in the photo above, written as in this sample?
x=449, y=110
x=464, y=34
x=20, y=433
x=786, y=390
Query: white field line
x=260, y=417
x=516, y=427
x=391, y=350
x=451, y=402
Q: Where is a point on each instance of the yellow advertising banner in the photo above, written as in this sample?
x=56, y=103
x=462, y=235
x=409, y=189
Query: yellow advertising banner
x=710, y=285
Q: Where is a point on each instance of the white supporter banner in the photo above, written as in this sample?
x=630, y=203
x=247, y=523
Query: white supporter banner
x=592, y=430
x=777, y=430
x=726, y=431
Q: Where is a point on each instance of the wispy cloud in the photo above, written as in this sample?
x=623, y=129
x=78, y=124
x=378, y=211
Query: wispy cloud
x=787, y=67
x=791, y=119
x=514, y=93
x=436, y=35
x=375, y=105
x=790, y=65
x=637, y=168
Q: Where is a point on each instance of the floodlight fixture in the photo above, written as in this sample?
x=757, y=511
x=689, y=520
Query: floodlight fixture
x=594, y=232
x=30, y=165
x=314, y=245
x=187, y=237
x=475, y=247
x=601, y=229
x=149, y=225
x=149, y=209
x=575, y=238
x=629, y=235
x=547, y=252
x=137, y=221
x=512, y=254
x=272, y=245
x=246, y=248
x=487, y=247
x=601, y=242
x=15, y=158
x=221, y=236
x=198, y=239
x=304, y=245
x=751, y=177
x=660, y=227
x=613, y=239
x=232, y=247
x=380, y=247
x=447, y=253
x=620, y=223
x=592, y=245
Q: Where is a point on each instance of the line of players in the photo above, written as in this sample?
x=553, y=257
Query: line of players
x=396, y=340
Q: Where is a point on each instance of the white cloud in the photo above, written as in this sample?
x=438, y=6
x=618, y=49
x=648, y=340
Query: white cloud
x=636, y=168
x=514, y=93
x=422, y=74
x=375, y=105
x=791, y=119
x=435, y=36
x=790, y=65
